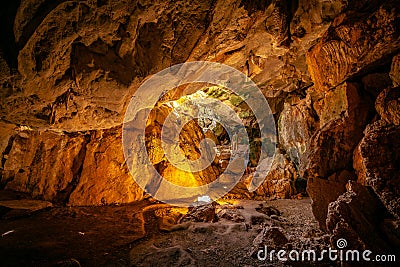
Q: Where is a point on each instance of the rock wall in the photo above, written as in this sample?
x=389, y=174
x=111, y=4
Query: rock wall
x=78, y=168
x=77, y=63
x=329, y=70
x=352, y=161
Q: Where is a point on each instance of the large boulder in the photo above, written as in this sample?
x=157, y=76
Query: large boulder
x=356, y=215
x=270, y=237
x=21, y=207
x=376, y=161
x=280, y=181
x=324, y=191
x=343, y=116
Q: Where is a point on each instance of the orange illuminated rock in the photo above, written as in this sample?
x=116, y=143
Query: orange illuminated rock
x=83, y=168
x=351, y=45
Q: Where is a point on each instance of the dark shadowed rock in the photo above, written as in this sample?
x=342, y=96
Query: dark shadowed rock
x=325, y=191
x=271, y=237
x=375, y=83
x=204, y=213
x=22, y=207
x=355, y=216
x=388, y=105
x=395, y=70
x=268, y=210
x=376, y=161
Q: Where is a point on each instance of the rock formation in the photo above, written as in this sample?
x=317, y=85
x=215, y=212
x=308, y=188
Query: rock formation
x=78, y=64
x=329, y=70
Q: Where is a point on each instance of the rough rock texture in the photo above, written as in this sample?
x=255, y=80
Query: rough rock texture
x=355, y=216
x=76, y=65
x=325, y=191
x=80, y=62
x=343, y=116
x=376, y=161
x=280, y=181
x=296, y=125
x=189, y=140
x=350, y=67
x=395, y=70
x=76, y=168
x=354, y=45
x=272, y=237
x=230, y=215
x=82, y=57
x=69, y=69
x=205, y=213
x=388, y=105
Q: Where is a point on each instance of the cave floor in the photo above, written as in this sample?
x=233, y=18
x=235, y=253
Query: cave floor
x=127, y=235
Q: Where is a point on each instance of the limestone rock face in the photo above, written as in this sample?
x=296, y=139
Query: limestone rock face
x=80, y=60
x=69, y=168
x=189, y=143
x=104, y=177
x=325, y=191
x=350, y=68
x=376, y=163
x=354, y=45
x=343, y=116
x=355, y=216
x=388, y=105
x=280, y=181
x=42, y=163
x=89, y=167
x=296, y=125
x=77, y=65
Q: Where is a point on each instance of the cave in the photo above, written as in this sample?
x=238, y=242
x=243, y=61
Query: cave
x=201, y=133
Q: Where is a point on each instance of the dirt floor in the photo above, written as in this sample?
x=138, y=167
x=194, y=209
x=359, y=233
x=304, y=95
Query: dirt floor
x=147, y=234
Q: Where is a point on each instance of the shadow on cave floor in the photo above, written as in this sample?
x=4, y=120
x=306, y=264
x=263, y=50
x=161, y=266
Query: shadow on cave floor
x=146, y=233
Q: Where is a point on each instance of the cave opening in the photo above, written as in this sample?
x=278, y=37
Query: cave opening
x=206, y=126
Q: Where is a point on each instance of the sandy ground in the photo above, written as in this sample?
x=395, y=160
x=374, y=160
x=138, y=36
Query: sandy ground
x=228, y=243
x=138, y=235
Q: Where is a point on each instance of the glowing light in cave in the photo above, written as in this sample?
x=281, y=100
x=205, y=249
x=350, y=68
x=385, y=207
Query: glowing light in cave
x=200, y=176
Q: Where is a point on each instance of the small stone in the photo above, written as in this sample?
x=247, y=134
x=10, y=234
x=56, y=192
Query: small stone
x=205, y=213
x=231, y=215
x=268, y=210
x=272, y=237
